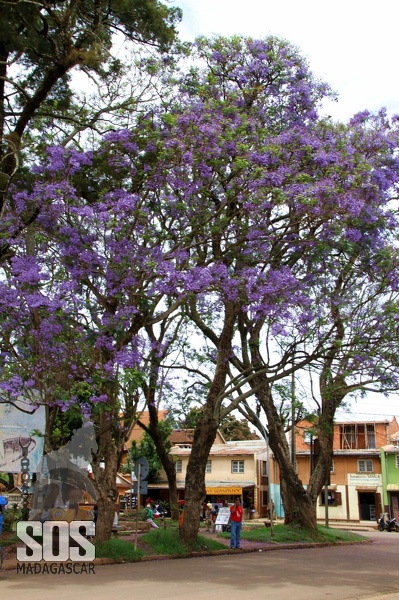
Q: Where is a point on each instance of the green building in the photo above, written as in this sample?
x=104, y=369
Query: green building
x=390, y=476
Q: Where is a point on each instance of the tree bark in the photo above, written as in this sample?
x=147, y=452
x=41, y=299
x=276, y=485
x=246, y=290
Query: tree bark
x=204, y=436
x=104, y=481
x=299, y=505
x=165, y=458
x=205, y=432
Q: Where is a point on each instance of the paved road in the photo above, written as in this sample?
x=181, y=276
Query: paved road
x=337, y=573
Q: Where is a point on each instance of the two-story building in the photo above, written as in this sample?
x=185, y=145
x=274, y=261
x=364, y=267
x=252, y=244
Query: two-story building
x=390, y=476
x=356, y=490
x=234, y=468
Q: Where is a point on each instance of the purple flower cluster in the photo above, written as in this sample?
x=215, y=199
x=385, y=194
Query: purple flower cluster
x=241, y=197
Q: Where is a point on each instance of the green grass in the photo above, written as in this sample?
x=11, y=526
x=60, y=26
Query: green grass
x=286, y=534
x=167, y=542
x=118, y=550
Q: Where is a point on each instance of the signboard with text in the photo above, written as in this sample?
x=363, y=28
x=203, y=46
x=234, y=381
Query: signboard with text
x=364, y=479
x=223, y=516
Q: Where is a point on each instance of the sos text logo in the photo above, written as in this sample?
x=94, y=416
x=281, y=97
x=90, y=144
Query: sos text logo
x=56, y=541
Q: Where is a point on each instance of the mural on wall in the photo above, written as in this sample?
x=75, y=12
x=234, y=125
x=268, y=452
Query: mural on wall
x=21, y=426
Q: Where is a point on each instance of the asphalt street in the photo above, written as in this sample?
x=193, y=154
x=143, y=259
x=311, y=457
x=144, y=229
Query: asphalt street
x=344, y=572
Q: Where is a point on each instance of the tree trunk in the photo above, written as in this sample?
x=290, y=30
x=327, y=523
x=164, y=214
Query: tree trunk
x=204, y=436
x=333, y=391
x=105, y=485
x=165, y=458
x=205, y=432
x=299, y=505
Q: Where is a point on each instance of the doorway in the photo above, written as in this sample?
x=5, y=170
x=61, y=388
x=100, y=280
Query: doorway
x=367, y=506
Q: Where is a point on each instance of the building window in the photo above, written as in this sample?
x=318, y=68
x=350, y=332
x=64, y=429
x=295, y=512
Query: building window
x=397, y=460
x=359, y=436
x=365, y=466
x=208, y=467
x=237, y=466
x=332, y=470
x=370, y=437
x=334, y=498
x=264, y=468
x=179, y=466
x=307, y=437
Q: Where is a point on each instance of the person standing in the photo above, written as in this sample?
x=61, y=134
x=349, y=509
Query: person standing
x=208, y=518
x=149, y=516
x=3, y=504
x=1, y=519
x=236, y=514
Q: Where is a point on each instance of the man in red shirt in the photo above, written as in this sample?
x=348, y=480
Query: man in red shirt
x=236, y=514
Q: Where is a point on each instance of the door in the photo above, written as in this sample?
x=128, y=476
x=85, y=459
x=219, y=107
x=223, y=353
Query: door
x=395, y=506
x=367, y=507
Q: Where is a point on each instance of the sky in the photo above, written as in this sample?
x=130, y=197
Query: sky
x=351, y=44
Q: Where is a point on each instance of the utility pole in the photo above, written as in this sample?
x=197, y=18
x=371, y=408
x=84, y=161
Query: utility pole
x=270, y=505
x=326, y=503
x=293, y=418
x=138, y=504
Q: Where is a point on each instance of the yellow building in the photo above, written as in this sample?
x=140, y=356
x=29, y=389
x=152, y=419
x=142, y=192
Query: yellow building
x=236, y=468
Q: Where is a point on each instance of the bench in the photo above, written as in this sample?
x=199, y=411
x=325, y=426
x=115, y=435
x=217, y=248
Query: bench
x=130, y=526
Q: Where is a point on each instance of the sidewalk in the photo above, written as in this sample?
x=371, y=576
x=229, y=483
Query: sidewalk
x=346, y=525
x=350, y=525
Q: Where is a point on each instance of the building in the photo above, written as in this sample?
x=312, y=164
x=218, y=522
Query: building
x=234, y=468
x=355, y=491
x=390, y=476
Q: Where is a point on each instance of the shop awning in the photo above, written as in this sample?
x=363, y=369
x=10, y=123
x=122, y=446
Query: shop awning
x=225, y=489
x=393, y=487
x=365, y=488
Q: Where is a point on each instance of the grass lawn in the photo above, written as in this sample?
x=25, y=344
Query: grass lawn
x=285, y=534
x=165, y=541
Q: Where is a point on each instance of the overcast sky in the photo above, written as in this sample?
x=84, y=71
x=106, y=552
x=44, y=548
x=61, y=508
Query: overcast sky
x=351, y=44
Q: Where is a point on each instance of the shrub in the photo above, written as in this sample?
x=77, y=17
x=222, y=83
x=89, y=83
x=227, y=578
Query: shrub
x=11, y=516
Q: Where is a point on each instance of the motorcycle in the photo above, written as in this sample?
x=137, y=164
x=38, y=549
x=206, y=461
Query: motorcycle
x=387, y=524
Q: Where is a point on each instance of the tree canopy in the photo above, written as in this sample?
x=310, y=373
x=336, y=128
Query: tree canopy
x=233, y=226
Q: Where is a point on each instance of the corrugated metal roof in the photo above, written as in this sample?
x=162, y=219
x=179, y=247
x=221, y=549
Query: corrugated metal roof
x=390, y=449
x=220, y=450
x=353, y=418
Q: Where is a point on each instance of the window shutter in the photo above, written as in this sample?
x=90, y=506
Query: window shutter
x=338, y=498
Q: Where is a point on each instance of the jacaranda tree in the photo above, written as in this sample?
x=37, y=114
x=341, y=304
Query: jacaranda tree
x=239, y=209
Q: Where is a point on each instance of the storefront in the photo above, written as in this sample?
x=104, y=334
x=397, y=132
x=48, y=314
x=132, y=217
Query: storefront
x=364, y=496
x=393, y=499
x=223, y=495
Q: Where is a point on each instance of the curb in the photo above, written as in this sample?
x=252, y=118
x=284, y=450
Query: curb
x=12, y=564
